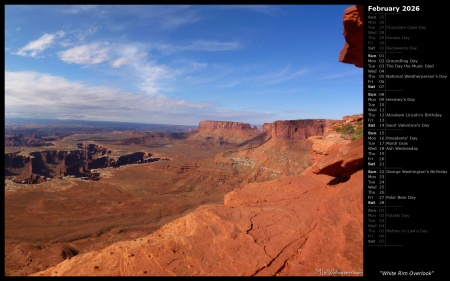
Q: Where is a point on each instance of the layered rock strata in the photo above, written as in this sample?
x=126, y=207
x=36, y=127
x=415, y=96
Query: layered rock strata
x=56, y=163
x=352, y=52
x=297, y=129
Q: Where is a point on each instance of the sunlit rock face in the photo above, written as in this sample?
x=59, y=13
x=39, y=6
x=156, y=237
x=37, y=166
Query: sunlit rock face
x=352, y=52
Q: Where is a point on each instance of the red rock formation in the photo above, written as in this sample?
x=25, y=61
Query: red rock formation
x=321, y=146
x=353, y=118
x=224, y=125
x=15, y=160
x=352, y=52
x=224, y=133
x=55, y=163
x=50, y=163
x=267, y=127
x=297, y=129
x=18, y=140
x=343, y=161
x=92, y=151
x=35, y=179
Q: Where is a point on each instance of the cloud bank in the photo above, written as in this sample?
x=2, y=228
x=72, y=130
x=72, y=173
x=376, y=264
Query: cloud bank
x=49, y=96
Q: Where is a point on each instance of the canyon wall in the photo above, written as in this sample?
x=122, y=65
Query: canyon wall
x=56, y=163
x=297, y=129
x=227, y=125
x=224, y=133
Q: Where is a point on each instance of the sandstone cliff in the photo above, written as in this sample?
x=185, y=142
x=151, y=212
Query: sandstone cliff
x=352, y=52
x=213, y=125
x=50, y=164
x=280, y=150
x=224, y=133
x=298, y=130
x=321, y=146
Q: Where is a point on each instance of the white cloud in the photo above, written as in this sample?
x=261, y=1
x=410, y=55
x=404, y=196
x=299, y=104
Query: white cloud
x=173, y=21
x=270, y=10
x=167, y=17
x=269, y=78
x=76, y=9
x=57, y=95
x=77, y=36
x=128, y=54
x=33, y=94
x=82, y=34
x=283, y=75
x=151, y=75
x=120, y=61
x=199, y=45
x=85, y=54
x=212, y=46
x=148, y=75
x=36, y=47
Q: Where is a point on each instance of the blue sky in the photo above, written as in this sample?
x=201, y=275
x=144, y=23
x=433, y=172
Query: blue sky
x=178, y=64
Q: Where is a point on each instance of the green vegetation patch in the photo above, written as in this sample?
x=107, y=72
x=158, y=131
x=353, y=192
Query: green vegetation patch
x=349, y=132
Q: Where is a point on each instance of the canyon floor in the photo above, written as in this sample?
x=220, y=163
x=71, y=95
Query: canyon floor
x=212, y=206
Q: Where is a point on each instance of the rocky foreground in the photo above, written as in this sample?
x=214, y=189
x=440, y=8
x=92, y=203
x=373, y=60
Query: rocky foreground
x=305, y=225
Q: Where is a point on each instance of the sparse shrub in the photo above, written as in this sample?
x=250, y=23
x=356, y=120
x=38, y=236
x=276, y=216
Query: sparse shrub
x=349, y=132
x=358, y=133
x=347, y=129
